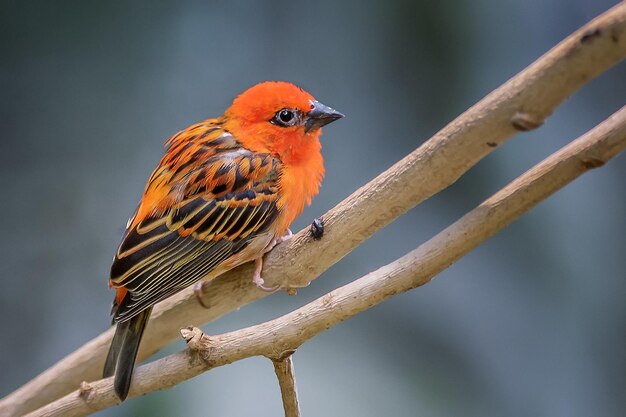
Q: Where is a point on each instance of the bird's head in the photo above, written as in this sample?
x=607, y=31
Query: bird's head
x=280, y=118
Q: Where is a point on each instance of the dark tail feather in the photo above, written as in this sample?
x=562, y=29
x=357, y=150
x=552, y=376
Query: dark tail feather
x=116, y=344
x=114, y=350
x=123, y=352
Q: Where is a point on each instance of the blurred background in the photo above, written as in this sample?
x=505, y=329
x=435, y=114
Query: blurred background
x=531, y=323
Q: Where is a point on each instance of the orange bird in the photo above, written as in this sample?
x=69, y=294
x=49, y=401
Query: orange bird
x=224, y=193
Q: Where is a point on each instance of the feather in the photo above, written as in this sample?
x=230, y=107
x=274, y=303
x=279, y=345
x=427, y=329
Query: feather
x=171, y=248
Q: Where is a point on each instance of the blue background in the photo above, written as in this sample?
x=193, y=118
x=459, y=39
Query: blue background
x=530, y=323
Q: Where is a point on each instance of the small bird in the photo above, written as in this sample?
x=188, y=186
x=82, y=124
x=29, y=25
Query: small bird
x=224, y=193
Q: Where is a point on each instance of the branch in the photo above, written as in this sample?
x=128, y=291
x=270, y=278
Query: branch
x=520, y=104
x=286, y=375
x=286, y=333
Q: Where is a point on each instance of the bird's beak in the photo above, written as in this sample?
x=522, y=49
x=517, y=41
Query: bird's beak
x=320, y=115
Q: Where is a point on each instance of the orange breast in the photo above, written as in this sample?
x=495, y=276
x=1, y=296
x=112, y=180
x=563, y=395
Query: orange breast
x=298, y=184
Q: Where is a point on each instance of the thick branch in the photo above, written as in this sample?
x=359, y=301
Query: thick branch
x=286, y=333
x=520, y=104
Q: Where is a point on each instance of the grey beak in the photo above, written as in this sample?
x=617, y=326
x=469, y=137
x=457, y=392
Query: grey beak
x=320, y=115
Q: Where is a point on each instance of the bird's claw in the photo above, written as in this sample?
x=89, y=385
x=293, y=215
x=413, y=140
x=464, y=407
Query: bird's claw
x=198, y=290
x=278, y=240
x=258, y=280
x=285, y=237
x=258, y=263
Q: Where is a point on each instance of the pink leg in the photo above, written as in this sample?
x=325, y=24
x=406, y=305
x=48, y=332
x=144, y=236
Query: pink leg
x=198, y=290
x=278, y=240
x=285, y=237
x=258, y=262
x=256, y=277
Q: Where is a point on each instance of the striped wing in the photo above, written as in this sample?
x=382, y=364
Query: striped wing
x=213, y=211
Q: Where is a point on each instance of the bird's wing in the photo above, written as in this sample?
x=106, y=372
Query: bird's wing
x=204, y=204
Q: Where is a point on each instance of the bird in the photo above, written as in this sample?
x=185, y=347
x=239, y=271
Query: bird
x=224, y=193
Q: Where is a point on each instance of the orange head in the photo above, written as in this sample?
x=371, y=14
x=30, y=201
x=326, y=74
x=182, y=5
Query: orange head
x=280, y=118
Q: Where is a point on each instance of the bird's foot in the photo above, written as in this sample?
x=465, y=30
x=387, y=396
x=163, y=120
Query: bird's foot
x=258, y=280
x=285, y=237
x=278, y=240
x=198, y=290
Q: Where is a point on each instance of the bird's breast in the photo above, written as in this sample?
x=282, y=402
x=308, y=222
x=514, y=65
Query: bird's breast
x=298, y=184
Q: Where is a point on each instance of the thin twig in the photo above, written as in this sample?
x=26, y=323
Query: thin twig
x=520, y=104
x=286, y=375
x=416, y=268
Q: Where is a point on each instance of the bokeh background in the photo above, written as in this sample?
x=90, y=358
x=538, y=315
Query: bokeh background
x=531, y=323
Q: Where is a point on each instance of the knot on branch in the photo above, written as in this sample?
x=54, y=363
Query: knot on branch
x=524, y=121
x=317, y=228
x=591, y=162
x=85, y=391
x=198, y=342
x=589, y=35
x=282, y=356
x=193, y=337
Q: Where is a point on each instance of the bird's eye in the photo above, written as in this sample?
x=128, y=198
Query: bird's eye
x=286, y=117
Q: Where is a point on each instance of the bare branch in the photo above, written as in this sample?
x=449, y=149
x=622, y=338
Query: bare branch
x=286, y=375
x=416, y=268
x=520, y=104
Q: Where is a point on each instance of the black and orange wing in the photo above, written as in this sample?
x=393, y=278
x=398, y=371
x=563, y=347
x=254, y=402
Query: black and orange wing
x=214, y=207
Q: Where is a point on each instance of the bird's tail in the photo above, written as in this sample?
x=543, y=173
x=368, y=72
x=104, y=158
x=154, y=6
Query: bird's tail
x=123, y=352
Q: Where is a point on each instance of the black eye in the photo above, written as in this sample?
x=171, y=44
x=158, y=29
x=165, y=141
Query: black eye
x=286, y=117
